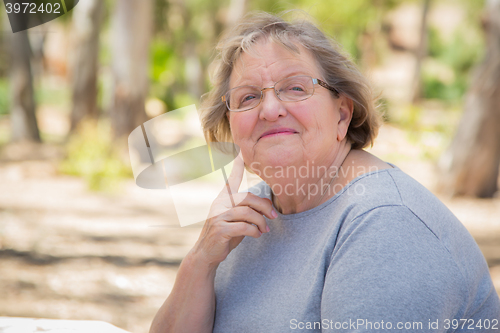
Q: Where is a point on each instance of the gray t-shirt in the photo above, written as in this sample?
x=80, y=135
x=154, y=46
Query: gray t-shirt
x=383, y=254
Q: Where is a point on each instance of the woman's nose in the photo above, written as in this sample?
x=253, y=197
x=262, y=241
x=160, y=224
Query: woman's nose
x=271, y=107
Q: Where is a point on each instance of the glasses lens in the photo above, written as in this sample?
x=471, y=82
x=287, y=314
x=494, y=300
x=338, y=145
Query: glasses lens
x=295, y=88
x=243, y=98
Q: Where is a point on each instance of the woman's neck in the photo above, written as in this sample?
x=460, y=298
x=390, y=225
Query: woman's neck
x=298, y=189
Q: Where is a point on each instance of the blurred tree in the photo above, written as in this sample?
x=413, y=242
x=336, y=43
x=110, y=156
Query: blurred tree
x=471, y=164
x=355, y=24
x=420, y=53
x=87, y=18
x=195, y=68
x=192, y=65
x=185, y=35
x=237, y=9
x=4, y=46
x=24, y=125
x=187, y=31
x=131, y=34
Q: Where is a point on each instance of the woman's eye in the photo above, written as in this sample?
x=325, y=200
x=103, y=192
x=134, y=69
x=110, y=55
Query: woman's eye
x=247, y=99
x=295, y=89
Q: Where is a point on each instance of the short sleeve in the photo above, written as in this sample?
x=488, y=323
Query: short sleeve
x=388, y=271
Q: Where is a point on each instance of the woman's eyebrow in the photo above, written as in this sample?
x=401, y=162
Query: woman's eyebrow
x=296, y=73
x=248, y=81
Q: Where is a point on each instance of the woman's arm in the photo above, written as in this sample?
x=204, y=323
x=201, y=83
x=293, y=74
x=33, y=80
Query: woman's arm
x=190, y=306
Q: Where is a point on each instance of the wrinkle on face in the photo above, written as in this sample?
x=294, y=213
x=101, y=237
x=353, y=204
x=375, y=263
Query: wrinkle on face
x=315, y=119
x=240, y=75
x=255, y=52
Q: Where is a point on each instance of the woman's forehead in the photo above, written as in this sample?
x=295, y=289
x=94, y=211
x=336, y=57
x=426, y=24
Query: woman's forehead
x=268, y=60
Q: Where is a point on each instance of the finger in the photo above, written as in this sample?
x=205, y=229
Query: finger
x=236, y=176
x=235, y=229
x=261, y=205
x=246, y=214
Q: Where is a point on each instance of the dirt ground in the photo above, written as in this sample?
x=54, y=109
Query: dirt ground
x=69, y=253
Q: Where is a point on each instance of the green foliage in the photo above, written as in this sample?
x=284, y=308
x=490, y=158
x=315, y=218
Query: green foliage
x=410, y=118
x=431, y=125
x=182, y=28
x=183, y=99
x=343, y=20
x=54, y=95
x=461, y=53
x=473, y=8
x=92, y=154
x=165, y=72
x=44, y=94
x=458, y=55
x=4, y=97
x=435, y=88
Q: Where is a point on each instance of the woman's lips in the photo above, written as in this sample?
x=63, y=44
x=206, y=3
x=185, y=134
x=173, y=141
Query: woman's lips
x=277, y=132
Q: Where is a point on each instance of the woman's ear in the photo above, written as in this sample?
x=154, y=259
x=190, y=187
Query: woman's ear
x=346, y=108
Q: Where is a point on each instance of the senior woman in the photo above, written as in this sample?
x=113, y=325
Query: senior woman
x=334, y=239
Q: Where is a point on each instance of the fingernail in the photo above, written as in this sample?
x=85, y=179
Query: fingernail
x=274, y=214
x=267, y=228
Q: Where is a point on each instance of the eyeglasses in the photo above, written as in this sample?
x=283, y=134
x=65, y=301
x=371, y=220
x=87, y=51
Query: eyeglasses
x=290, y=89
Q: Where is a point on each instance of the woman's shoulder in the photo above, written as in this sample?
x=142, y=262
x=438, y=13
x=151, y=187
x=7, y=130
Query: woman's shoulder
x=372, y=182
x=390, y=191
x=389, y=205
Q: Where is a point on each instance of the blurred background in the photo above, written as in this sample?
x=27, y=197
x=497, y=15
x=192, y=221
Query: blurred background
x=79, y=240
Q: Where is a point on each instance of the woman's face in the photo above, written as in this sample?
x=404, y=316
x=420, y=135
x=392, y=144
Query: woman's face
x=308, y=130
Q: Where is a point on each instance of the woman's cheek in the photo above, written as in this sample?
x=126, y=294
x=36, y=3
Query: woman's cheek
x=241, y=130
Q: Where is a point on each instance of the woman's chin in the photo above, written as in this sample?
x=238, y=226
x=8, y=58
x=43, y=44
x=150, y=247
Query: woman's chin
x=278, y=157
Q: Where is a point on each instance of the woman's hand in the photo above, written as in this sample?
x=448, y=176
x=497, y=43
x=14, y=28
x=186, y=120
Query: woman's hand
x=227, y=225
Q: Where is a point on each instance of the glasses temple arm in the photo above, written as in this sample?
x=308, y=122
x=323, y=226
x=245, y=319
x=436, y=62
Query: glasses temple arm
x=326, y=86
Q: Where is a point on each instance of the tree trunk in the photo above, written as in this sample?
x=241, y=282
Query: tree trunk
x=87, y=18
x=4, y=45
x=420, y=54
x=471, y=164
x=22, y=116
x=131, y=34
x=237, y=10
x=192, y=68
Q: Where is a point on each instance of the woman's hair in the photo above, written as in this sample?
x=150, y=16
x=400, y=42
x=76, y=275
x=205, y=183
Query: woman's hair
x=337, y=70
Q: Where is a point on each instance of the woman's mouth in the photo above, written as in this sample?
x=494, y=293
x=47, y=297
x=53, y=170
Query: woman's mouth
x=278, y=132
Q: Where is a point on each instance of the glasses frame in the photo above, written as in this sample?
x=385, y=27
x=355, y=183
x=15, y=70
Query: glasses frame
x=322, y=83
